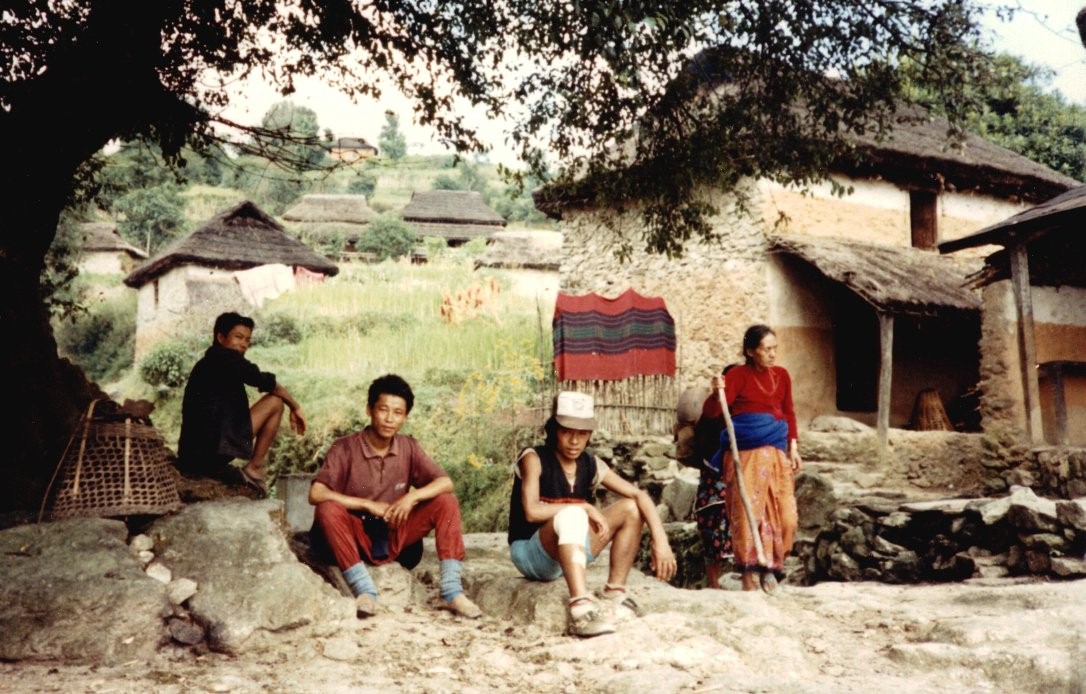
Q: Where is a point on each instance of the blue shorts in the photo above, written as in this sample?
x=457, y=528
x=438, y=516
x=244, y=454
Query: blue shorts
x=533, y=561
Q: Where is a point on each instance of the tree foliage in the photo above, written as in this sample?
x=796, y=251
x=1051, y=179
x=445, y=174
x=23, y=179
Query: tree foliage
x=391, y=141
x=595, y=85
x=1016, y=111
x=468, y=177
x=297, y=128
x=151, y=217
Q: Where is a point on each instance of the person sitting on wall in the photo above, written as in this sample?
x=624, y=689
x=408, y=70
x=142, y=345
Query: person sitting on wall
x=556, y=530
x=217, y=424
x=378, y=494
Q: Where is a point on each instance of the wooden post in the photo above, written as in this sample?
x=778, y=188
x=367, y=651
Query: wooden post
x=886, y=373
x=1027, y=345
x=1059, y=404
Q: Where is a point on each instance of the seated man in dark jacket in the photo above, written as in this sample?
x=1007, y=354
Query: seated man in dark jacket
x=217, y=424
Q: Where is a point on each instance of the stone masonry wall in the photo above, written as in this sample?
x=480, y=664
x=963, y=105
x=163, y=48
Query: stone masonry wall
x=716, y=289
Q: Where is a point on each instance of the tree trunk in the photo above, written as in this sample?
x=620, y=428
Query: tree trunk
x=102, y=86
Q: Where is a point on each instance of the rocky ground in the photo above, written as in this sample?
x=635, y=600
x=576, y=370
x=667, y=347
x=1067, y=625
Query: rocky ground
x=983, y=635
x=832, y=637
x=214, y=599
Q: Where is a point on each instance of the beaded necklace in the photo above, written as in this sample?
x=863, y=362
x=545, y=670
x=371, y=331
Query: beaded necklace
x=772, y=380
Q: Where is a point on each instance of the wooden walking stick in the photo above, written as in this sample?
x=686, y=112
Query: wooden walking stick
x=740, y=484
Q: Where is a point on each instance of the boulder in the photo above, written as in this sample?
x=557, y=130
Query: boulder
x=680, y=493
x=1072, y=513
x=815, y=499
x=249, y=580
x=73, y=590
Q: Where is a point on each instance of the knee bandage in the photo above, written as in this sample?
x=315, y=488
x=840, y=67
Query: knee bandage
x=571, y=526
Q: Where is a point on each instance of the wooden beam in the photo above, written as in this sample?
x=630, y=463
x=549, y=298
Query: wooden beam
x=886, y=373
x=1027, y=345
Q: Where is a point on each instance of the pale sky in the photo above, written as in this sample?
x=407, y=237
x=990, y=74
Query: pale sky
x=1043, y=32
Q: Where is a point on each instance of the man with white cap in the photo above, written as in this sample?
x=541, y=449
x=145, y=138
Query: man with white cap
x=555, y=528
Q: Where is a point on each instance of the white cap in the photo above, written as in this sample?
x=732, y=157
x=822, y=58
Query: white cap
x=575, y=410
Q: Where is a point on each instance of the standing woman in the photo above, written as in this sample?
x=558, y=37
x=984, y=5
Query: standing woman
x=759, y=397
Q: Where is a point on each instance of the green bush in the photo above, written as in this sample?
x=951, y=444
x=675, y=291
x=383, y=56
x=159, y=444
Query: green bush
x=363, y=183
x=100, y=339
x=167, y=365
x=278, y=328
x=388, y=237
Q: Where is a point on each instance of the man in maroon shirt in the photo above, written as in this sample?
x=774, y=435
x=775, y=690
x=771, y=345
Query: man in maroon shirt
x=378, y=493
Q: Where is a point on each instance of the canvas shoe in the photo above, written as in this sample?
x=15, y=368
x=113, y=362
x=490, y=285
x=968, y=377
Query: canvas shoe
x=621, y=605
x=365, y=606
x=587, y=619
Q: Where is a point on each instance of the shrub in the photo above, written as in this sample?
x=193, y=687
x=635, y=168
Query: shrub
x=363, y=183
x=100, y=339
x=388, y=237
x=279, y=328
x=167, y=365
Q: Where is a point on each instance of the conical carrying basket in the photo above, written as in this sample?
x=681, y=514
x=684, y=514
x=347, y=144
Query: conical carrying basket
x=114, y=465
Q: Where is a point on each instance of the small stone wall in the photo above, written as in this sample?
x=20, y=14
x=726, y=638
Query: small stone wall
x=1060, y=472
x=952, y=540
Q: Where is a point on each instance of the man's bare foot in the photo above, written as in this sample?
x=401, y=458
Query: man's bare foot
x=462, y=606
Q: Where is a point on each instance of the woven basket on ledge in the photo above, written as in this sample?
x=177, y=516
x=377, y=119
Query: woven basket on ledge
x=929, y=413
x=114, y=465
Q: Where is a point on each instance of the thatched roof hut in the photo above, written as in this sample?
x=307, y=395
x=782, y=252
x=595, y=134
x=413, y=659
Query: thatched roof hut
x=352, y=149
x=349, y=209
x=891, y=279
x=322, y=219
x=102, y=237
x=455, y=215
x=240, y=238
x=523, y=250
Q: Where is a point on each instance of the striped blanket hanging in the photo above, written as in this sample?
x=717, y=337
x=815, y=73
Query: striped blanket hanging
x=596, y=338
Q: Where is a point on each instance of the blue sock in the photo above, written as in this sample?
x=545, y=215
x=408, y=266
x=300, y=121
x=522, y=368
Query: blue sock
x=360, y=582
x=450, y=579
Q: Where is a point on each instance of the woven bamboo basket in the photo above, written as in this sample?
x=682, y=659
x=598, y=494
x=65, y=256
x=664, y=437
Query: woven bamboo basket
x=114, y=465
x=929, y=413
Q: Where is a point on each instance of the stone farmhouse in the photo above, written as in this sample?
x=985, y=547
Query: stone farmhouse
x=867, y=312
x=104, y=252
x=234, y=262
x=457, y=216
x=1033, y=321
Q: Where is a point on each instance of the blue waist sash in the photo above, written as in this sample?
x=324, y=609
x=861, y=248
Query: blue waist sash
x=752, y=430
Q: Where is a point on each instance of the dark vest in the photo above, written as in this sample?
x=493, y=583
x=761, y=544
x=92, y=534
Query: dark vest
x=554, y=488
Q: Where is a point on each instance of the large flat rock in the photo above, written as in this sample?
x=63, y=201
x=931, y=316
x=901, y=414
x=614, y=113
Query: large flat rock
x=72, y=590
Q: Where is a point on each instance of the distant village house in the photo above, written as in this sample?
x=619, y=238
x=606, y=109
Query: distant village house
x=329, y=222
x=236, y=261
x=457, y=216
x=351, y=149
x=104, y=252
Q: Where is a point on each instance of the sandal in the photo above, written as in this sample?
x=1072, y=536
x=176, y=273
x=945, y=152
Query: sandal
x=769, y=582
x=255, y=482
